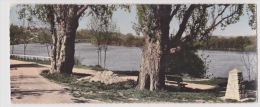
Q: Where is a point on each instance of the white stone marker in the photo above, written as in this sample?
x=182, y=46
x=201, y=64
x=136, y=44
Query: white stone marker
x=232, y=91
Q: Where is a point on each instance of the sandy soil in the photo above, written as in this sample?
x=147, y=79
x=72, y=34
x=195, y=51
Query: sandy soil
x=27, y=86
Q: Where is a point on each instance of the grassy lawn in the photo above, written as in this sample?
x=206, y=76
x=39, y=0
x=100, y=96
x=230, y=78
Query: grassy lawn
x=30, y=60
x=125, y=91
x=91, y=67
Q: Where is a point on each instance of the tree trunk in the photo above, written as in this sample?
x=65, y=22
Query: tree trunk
x=47, y=50
x=64, y=23
x=155, y=54
x=24, y=48
x=98, y=56
x=53, y=50
x=54, y=42
x=105, y=57
x=12, y=49
x=66, y=41
x=153, y=66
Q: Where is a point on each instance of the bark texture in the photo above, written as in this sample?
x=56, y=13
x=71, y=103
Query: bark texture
x=154, y=55
x=62, y=55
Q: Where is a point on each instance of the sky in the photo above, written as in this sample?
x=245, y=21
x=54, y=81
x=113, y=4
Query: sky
x=125, y=21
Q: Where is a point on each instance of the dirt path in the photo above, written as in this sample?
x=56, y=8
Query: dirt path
x=27, y=86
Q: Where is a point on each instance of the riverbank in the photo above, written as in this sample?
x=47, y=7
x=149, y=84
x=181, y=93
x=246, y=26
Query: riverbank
x=129, y=58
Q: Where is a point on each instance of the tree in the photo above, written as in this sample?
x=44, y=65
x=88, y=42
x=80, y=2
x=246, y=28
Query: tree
x=25, y=39
x=26, y=34
x=15, y=32
x=251, y=12
x=96, y=32
x=108, y=28
x=249, y=61
x=101, y=28
x=44, y=38
x=63, y=20
x=196, y=21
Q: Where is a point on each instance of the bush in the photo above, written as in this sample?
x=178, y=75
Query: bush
x=96, y=68
x=250, y=85
x=187, y=62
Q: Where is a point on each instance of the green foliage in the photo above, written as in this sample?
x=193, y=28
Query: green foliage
x=251, y=12
x=15, y=34
x=239, y=43
x=19, y=35
x=60, y=78
x=187, y=62
x=95, y=67
x=32, y=60
x=193, y=19
x=116, y=39
x=44, y=37
x=250, y=85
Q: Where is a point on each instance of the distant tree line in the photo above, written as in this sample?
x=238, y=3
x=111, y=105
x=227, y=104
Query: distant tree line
x=239, y=43
x=117, y=38
x=25, y=35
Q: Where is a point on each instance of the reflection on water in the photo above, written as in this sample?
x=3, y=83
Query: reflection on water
x=128, y=58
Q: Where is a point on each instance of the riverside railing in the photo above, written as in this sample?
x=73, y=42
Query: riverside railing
x=30, y=57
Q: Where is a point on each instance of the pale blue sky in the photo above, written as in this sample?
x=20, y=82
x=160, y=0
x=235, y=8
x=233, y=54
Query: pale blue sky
x=125, y=20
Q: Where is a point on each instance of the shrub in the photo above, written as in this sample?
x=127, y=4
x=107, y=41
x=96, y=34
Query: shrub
x=187, y=62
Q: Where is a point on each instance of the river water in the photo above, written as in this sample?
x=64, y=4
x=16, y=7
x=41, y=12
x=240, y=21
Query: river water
x=128, y=58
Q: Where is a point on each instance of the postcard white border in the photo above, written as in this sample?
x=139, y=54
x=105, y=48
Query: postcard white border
x=5, y=100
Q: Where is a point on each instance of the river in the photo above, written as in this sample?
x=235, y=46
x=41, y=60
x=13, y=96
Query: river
x=128, y=58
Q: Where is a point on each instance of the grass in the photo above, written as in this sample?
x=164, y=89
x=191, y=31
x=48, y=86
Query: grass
x=125, y=91
x=126, y=73
x=31, y=60
x=91, y=67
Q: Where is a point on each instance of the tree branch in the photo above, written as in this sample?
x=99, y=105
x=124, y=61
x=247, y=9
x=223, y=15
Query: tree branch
x=174, y=12
x=214, y=20
x=213, y=25
x=81, y=10
x=182, y=26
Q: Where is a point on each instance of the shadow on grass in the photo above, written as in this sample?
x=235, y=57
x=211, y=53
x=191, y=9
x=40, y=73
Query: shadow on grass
x=127, y=73
x=79, y=101
x=81, y=74
x=20, y=94
x=25, y=65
